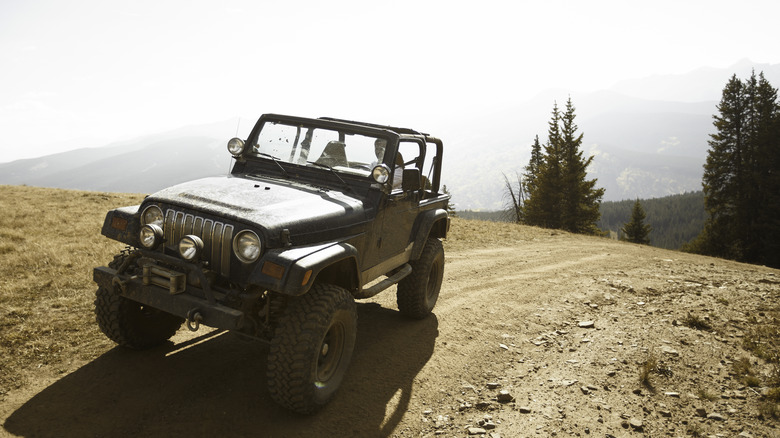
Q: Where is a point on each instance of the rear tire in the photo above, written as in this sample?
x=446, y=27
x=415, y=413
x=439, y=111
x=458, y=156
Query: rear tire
x=312, y=348
x=417, y=293
x=132, y=324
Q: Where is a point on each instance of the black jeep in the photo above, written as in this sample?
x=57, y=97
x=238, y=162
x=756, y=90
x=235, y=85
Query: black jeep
x=315, y=214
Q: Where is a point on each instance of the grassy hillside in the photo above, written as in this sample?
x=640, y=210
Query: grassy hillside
x=492, y=216
x=49, y=241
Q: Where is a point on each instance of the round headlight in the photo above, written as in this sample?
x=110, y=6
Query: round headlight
x=152, y=215
x=380, y=174
x=151, y=236
x=247, y=246
x=235, y=146
x=190, y=247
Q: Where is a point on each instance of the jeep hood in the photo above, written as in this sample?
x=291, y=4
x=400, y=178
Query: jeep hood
x=268, y=204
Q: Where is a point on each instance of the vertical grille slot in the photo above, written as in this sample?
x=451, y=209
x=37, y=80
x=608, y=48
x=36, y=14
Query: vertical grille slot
x=217, y=237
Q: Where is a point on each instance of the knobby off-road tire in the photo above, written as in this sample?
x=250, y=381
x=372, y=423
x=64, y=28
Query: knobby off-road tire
x=131, y=324
x=311, y=348
x=418, y=292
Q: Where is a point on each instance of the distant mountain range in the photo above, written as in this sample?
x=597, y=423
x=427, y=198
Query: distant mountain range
x=649, y=138
x=143, y=165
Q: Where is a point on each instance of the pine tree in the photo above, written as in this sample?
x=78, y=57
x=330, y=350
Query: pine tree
x=741, y=175
x=558, y=194
x=543, y=206
x=722, y=172
x=534, y=164
x=636, y=231
x=450, y=206
x=766, y=175
x=581, y=201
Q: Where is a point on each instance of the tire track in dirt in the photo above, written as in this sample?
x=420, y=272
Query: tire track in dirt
x=470, y=275
x=480, y=286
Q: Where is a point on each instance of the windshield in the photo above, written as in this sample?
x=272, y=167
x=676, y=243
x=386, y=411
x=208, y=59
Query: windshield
x=314, y=146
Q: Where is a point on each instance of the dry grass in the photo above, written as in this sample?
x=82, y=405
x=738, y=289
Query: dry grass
x=651, y=365
x=487, y=234
x=49, y=242
x=705, y=394
x=646, y=368
x=763, y=338
x=697, y=323
x=745, y=373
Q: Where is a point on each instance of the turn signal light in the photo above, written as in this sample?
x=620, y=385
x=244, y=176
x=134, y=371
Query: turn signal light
x=273, y=270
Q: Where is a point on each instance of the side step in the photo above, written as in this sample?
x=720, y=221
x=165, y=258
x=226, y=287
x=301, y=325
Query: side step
x=384, y=284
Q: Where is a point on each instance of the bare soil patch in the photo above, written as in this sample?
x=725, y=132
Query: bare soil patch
x=536, y=333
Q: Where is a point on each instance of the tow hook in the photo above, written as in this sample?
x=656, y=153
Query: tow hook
x=120, y=284
x=194, y=318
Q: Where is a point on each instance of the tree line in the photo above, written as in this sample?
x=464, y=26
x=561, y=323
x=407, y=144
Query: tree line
x=675, y=220
x=741, y=185
x=742, y=176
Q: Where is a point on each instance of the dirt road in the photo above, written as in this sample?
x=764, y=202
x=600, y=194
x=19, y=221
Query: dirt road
x=536, y=333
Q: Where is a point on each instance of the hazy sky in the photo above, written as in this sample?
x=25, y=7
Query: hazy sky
x=84, y=73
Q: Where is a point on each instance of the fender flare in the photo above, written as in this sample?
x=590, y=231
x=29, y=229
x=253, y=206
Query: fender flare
x=292, y=271
x=123, y=224
x=425, y=227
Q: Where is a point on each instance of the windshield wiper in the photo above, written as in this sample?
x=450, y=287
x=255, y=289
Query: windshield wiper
x=276, y=160
x=346, y=186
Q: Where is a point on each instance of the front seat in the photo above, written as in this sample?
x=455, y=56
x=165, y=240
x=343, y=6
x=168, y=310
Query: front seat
x=334, y=155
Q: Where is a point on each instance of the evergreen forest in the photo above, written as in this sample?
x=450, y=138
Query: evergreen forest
x=742, y=176
x=675, y=220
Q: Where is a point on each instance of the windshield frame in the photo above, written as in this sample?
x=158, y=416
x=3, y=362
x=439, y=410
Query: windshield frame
x=287, y=150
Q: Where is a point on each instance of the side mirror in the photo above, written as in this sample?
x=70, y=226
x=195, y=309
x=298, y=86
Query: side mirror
x=412, y=180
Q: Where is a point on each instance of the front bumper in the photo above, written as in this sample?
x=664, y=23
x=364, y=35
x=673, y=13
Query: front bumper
x=184, y=305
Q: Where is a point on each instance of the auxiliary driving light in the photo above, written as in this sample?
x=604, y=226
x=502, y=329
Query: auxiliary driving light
x=235, y=146
x=380, y=173
x=190, y=247
x=151, y=236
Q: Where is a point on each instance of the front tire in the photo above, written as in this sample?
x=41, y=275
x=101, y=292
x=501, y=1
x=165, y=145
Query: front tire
x=312, y=348
x=417, y=293
x=132, y=324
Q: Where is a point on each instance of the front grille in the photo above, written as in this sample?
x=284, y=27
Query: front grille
x=217, y=237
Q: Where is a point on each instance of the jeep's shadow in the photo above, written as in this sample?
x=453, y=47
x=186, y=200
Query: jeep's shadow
x=214, y=385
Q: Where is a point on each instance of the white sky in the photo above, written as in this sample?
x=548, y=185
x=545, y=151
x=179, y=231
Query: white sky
x=84, y=73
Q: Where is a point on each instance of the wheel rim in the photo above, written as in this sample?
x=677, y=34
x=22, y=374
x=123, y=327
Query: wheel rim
x=432, y=289
x=330, y=351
